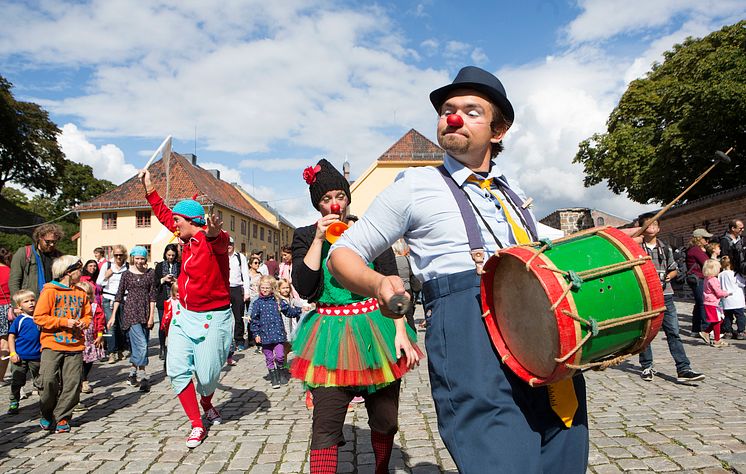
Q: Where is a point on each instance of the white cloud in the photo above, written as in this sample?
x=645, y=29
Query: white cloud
x=296, y=208
x=559, y=102
x=275, y=164
x=696, y=28
x=430, y=46
x=336, y=94
x=107, y=161
x=256, y=76
x=604, y=19
x=456, y=50
x=479, y=57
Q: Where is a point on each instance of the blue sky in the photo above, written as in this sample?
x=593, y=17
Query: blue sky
x=271, y=87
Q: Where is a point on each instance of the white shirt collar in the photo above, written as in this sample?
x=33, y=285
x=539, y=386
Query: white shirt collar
x=461, y=173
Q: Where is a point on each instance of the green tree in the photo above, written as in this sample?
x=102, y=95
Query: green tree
x=77, y=184
x=667, y=126
x=29, y=153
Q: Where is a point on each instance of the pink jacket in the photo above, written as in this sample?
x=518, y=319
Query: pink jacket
x=713, y=292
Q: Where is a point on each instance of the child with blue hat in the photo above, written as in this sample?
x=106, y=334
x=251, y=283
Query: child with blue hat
x=201, y=330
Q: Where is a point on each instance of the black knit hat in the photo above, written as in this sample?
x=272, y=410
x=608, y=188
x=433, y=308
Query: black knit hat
x=323, y=178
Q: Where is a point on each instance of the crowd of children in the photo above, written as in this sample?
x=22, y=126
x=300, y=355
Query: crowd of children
x=55, y=340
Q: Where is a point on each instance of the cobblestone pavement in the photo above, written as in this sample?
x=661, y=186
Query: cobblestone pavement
x=635, y=425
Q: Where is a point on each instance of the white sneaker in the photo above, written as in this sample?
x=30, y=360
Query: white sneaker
x=213, y=416
x=196, y=437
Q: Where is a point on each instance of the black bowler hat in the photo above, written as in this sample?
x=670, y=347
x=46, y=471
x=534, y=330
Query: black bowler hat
x=472, y=77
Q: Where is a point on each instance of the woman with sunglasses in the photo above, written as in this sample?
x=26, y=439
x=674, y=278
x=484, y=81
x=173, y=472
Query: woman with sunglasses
x=62, y=313
x=254, y=276
x=108, y=279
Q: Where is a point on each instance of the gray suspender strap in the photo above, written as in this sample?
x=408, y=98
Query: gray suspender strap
x=476, y=244
x=523, y=212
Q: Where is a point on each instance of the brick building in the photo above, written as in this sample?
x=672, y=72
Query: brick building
x=123, y=216
x=574, y=219
x=710, y=212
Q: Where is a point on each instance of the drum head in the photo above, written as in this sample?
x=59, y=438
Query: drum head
x=524, y=317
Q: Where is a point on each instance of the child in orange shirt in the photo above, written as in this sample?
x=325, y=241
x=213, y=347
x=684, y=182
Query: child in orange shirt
x=62, y=313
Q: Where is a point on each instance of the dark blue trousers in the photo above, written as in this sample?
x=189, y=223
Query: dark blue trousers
x=489, y=419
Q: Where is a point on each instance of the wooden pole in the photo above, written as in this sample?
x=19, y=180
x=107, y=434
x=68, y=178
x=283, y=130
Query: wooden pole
x=676, y=199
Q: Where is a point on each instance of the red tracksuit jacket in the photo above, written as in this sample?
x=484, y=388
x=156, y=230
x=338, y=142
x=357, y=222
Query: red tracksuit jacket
x=204, y=278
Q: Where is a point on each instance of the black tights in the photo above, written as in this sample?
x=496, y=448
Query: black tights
x=87, y=366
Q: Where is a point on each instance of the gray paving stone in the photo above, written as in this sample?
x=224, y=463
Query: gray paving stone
x=661, y=464
x=632, y=465
x=644, y=427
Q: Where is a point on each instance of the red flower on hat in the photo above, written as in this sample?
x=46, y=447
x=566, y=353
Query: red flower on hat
x=309, y=174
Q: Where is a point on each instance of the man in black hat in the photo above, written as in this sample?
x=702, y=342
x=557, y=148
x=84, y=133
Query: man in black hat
x=454, y=217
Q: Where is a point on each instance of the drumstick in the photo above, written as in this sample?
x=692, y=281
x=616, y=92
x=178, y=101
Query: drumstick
x=721, y=157
x=399, y=304
x=5, y=358
x=166, y=142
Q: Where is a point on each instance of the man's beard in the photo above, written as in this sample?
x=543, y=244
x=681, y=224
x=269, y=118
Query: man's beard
x=453, y=144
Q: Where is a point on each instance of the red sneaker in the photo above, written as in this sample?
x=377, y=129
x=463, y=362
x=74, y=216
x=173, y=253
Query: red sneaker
x=196, y=437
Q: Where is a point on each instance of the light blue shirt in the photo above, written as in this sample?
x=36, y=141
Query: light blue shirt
x=419, y=206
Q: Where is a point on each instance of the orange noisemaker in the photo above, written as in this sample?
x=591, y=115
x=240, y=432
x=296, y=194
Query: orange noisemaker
x=334, y=230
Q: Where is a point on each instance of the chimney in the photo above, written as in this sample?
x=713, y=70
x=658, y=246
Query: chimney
x=346, y=170
x=192, y=158
x=215, y=173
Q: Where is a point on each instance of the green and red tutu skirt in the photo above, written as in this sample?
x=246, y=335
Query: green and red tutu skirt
x=349, y=345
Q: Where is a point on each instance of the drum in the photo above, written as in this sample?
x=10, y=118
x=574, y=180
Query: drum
x=586, y=300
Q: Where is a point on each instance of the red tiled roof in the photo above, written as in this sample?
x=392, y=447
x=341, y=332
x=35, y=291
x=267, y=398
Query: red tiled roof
x=413, y=146
x=185, y=180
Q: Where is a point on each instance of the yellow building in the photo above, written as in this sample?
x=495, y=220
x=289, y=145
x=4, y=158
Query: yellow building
x=411, y=150
x=123, y=216
x=284, y=233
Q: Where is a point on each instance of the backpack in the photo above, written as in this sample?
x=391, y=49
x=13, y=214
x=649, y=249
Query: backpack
x=679, y=257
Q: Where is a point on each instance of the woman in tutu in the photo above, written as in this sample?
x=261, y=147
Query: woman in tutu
x=346, y=347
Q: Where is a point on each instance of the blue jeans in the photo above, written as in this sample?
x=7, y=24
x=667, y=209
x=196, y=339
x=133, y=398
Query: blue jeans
x=117, y=342
x=139, y=336
x=699, y=322
x=728, y=321
x=671, y=330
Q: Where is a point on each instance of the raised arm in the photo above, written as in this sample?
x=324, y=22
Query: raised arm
x=160, y=209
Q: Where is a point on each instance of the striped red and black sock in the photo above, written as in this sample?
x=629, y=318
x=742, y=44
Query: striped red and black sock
x=382, y=446
x=206, y=401
x=324, y=461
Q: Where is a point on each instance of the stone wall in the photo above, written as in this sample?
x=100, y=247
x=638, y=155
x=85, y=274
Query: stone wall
x=712, y=213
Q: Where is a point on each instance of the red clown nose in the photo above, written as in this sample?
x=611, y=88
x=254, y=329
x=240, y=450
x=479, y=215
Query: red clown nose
x=455, y=121
x=335, y=208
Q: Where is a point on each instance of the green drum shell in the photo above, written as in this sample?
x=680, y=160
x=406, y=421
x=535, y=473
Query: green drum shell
x=603, y=298
x=543, y=330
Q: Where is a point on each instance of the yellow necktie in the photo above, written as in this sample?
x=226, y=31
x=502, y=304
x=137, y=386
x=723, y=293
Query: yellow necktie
x=519, y=233
x=562, y=395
